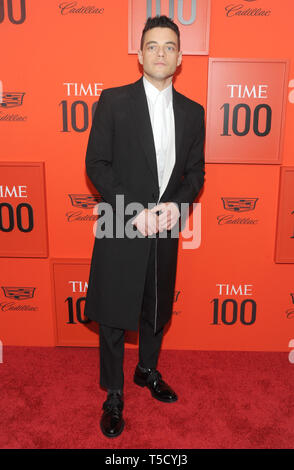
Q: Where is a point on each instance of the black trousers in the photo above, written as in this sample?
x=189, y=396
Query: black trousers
x=112, y=340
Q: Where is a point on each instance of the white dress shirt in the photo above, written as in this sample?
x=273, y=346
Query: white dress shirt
x=160, y=104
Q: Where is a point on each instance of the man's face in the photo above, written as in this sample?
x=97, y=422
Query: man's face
x=160, y=55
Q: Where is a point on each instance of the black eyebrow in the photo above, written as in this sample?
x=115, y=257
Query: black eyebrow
x=155, y=42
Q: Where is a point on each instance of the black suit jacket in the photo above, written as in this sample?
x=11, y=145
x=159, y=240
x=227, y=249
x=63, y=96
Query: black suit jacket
x=121, y=159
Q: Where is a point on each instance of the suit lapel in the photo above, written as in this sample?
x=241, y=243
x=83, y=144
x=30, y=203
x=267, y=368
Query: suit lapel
x=142, y=123
x=180, y=118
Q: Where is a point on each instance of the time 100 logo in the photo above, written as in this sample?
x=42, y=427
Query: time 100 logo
x=75, y=114
x=228, y=311
x=252, y=118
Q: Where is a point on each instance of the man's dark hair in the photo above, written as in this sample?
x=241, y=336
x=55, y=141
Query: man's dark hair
x=161, y=22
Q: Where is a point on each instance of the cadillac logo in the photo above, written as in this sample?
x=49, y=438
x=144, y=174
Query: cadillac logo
x=11, y=99
x=84, y=201
x=19, y=293
x=237, y=204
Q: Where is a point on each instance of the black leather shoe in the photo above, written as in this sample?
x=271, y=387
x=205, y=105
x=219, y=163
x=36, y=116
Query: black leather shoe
x=112, y=423
x=152, y=379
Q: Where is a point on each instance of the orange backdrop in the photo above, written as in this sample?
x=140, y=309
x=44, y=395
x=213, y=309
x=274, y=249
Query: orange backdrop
x=231, y=293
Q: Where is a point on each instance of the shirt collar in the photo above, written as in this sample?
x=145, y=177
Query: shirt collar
x=152, y=92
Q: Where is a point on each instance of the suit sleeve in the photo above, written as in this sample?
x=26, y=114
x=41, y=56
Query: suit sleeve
x=99, y=154
x=194, y=172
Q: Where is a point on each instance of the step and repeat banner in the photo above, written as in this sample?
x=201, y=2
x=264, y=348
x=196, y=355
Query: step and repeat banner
x=235, y=286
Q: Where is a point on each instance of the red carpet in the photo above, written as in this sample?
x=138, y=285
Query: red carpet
x=50, y=398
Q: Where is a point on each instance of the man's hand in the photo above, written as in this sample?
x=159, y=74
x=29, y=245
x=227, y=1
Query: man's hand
x=169, y=215
x=146, y=222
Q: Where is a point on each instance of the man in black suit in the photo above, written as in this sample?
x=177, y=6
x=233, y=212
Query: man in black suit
x=145, y=150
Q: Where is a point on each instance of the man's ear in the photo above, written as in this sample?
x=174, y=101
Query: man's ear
x=180, y=56
x=140, y=57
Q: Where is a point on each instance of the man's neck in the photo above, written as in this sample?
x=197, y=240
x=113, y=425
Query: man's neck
x=159, y=84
